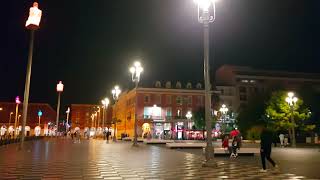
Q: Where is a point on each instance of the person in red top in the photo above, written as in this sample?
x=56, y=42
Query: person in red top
x=225, y=143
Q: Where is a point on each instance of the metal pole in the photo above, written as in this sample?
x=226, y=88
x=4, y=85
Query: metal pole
x=26, y=89
x=58, y=111
x=39, y=120
x=115, y=125
x=135, y=139
x=293, y=128
x=209, y=151
x=104, y=116
x=9, y=120
x=16, y=119
x=67, y=124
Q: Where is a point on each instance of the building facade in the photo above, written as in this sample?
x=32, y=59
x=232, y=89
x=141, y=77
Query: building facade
x=160, y=110
x=237, y=84
x=90, y=115
x=8, y=115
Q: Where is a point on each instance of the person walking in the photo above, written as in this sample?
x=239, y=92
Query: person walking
x=281, y=137
x=265, y=150
x=108, y=134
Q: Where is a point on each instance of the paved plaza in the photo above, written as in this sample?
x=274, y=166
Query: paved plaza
x=95, y=159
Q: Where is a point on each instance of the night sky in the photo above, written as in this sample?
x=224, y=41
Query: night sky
x=89, y=45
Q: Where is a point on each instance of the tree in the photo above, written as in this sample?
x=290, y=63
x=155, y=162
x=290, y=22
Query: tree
x=199, y=119
x=251, y=115
x=285, y=118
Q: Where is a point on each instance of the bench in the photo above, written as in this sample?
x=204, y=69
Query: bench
x=157, y=141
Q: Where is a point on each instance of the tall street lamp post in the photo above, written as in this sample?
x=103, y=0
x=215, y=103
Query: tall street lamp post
x=105, y=102
x=292, y=100
x=32, y=24
x=205, y=18
x=39, y=116
x=17, y=111
x=67, y=123
x=60, y=87
x=188, y=116
x=223, y=111
x=136, y=71
x=10, y=118
x=115, y=94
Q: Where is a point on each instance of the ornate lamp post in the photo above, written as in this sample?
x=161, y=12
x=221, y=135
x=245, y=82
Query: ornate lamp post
x=17, y=111
x=136, y=71
x=67, y=123
x=105, y=102
x=10, y=118
x=39, y=116
x=115, y=94
x=60, y=87
x=205, y=18
x=189, y=116
x=292, y=100
x=32, y=24
x=224, y=111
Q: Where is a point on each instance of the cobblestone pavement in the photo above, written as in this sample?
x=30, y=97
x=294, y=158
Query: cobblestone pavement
x=95, y=159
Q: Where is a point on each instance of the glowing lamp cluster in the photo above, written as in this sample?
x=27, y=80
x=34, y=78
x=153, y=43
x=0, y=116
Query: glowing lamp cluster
x=291, y=99
x=189, y=115
x=60, y=87
x=136, y=70
x=204, y=4
x=116, y=92
x=34, y=17
x=39, y=113
x=105, y=102
x=224, y=109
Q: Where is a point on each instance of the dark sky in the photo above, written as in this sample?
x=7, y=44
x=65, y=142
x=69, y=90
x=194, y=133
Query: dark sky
x=89, y=45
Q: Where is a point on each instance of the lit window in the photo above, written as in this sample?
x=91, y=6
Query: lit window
x=252, y=81
x=244, y=81
x=178, y=100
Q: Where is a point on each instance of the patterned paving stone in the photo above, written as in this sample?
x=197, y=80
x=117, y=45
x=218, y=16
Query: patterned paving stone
x=94, y=159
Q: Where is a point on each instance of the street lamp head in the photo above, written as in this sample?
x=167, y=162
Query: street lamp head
x=135, y=71
x=290, y=94
x=294, y=99
x=189, y=115
x=60, y=87
x=115, y=92
x=39, y=113
x=223, y=106
x=204, y=4
x=105, y=102
x=1, y=108
x=34, y=17
x=68, y=110
x=11, y=113
x=18, y=100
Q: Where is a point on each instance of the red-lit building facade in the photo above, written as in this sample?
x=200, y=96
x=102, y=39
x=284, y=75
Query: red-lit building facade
x=8, y=114
x=90, y=115
x=160, y=110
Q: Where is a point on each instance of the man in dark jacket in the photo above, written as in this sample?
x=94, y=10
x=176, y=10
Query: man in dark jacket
x=265, y=150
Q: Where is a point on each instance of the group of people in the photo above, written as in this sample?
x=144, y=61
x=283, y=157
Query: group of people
x=266, y=138
x=235, y=144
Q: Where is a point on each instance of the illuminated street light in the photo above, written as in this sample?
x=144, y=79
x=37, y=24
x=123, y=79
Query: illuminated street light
x=136, y=71
x=292, y=100
x=59, y=88
x=67, y=123
x=39, y=116
x=17, y=111
x=11, y=113
x=105, y=102
x=224, y=111
x=189, y=116
x=205, y=18
x=115, y=94
x=32, y=24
